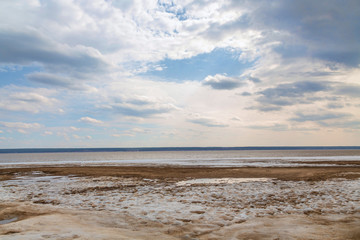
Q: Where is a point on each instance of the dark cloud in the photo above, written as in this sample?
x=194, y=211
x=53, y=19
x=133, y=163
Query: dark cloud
x=139, y=107
x=335, y=105
x=320, y=73
x=207, y=122
x=305, y=92
x=342, y=124
x=328, y=30
x=300, y=117
x=291, y=51
x=131, y=110
x=297, y=89
x=349, y=90
x=223, y=85
x=282, y=127
x=274, y=127
x=349, y=58
x=245, y=94
x=57, y=81
x=254, y=79
x=266, y=108
x=30, y=47
x=272, y=99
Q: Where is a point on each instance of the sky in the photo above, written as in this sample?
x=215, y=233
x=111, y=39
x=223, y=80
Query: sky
x=143, y=73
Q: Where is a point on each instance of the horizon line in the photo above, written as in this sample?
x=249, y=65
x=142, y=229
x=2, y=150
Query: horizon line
x=147, y=149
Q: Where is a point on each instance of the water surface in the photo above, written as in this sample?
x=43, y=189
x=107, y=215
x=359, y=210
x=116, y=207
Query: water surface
x=215, y=158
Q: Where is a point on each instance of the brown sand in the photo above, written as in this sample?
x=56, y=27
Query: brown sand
x=280, y=173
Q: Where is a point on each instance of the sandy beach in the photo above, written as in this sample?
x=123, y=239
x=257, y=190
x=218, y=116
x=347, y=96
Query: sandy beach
x=165, y=202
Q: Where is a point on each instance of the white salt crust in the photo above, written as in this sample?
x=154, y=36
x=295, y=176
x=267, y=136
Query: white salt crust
x=223, y=201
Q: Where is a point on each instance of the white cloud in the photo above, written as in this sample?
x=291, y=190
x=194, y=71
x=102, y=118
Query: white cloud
x=22, y=131
x=74, y=128
x=21, y=127
x=222, y=82
x=13, y=98
x=139, y=110
x=76, y=136
x=132, y=132
x=81, y=35
x=148, y=99
x=90, y=120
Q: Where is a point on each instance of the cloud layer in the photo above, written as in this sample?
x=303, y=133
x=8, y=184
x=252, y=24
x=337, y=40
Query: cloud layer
x=123, y=73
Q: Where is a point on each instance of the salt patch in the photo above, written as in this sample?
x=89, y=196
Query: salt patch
x=6, y=221
x=210, y=200
x=221, y=180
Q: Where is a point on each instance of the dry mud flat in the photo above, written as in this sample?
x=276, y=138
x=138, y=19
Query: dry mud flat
x=180, y=203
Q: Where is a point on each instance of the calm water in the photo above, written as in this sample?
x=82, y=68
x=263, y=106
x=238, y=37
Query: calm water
x=240, y=158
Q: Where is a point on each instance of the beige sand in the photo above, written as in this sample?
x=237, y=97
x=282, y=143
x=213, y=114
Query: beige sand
x=46, y=222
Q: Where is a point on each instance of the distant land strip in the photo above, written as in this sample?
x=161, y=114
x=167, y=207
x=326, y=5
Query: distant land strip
x=149, y=149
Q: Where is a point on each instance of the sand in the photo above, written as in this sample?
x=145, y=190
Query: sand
x=174, y=172
x=179, y=203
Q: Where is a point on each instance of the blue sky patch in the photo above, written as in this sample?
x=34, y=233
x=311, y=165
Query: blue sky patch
x=16, y=75
x=219, y=61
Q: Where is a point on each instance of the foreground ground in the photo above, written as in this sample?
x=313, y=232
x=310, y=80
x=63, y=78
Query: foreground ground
x=180, y=203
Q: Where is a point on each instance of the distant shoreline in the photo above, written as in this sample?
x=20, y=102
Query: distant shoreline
x=149, y=149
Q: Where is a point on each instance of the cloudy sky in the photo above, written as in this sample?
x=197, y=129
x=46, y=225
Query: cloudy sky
x=121, y=73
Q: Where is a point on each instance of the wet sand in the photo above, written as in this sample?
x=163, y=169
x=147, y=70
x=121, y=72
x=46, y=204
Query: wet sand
x=164, y=202
x=164, y=172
